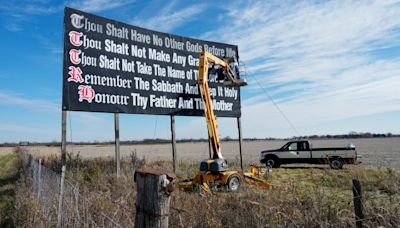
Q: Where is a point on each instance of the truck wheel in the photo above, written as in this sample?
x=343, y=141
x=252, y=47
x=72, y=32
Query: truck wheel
x=336, y=163
x=234, y=182
x=272, y=162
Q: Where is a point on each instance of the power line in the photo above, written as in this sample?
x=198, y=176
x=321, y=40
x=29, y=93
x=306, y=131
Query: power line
x=155, y=128
x=276, y=106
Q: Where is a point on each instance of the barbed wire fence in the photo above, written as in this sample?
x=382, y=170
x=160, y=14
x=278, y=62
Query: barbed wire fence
x=375, y=205
x=62, y=204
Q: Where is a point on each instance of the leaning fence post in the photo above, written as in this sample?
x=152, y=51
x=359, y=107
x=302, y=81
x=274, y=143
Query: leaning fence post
x=154, y=187
x=61, y=198
x=358, y=208
x=39, y=179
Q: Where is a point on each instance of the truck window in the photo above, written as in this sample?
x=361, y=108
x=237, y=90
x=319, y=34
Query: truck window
x=292, y=146
x=306, y=146
x=285, y=147
x=303, y=146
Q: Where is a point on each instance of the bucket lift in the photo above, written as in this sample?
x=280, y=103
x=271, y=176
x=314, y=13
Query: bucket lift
x=215, y=171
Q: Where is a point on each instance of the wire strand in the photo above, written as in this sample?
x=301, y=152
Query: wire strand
x=276, y=105
x=154, y=134
x=155, y=127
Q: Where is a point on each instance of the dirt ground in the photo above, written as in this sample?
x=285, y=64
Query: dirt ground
x=375, y=152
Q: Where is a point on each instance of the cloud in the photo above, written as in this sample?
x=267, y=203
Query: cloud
x=48, y=43
x=13, y=27
x=39, y=105
x=81, y=125
x=39, y=9
x=318, y=60
x=14, y=14
x=24, y=11
x=14, y=99
x=25, y=8
x=18, y=128
x=170, y=17
x=99, y=5
x=14, y=132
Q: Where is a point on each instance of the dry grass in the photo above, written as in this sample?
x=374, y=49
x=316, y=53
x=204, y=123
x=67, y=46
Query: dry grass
x=9, y=174
x=27, y=209
x=312, y=197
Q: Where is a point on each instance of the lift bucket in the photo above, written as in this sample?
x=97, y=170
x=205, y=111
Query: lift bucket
x=235, y=83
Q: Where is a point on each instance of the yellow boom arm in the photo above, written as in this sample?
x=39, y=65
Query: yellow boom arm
x=205, y=59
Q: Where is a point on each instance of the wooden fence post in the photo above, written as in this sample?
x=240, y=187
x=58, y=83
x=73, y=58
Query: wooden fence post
x=154, y=187
x=358, y=208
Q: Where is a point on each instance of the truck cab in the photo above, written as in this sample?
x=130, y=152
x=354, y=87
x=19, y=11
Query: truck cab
x=296, y=150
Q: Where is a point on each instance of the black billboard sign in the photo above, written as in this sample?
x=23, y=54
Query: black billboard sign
x=114, y=67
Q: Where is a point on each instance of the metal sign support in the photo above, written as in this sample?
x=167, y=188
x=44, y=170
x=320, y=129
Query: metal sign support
x=173, y=142
x=240, y=141
x=63, y=137
x=117, y=148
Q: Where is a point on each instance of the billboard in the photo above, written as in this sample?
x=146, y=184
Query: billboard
x=114, y=67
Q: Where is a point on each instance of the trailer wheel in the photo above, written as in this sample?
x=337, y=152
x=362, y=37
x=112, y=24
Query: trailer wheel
x=234, y=182
x=336, y=163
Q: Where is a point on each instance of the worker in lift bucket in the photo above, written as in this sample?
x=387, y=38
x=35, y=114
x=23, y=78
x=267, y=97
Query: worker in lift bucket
x=234, y=68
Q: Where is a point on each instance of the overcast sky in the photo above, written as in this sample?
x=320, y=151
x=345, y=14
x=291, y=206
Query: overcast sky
x=330, y=66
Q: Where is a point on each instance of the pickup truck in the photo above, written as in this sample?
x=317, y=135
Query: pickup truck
x=301, y=151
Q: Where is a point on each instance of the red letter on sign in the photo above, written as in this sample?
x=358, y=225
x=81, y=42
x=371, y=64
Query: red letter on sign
x=75, y=74
x=74, y=56
x=86, y=93
x=75, y=38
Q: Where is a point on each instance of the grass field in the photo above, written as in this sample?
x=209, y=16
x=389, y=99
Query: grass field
x=311, y=196
x=308, y=197
x=8, y=178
